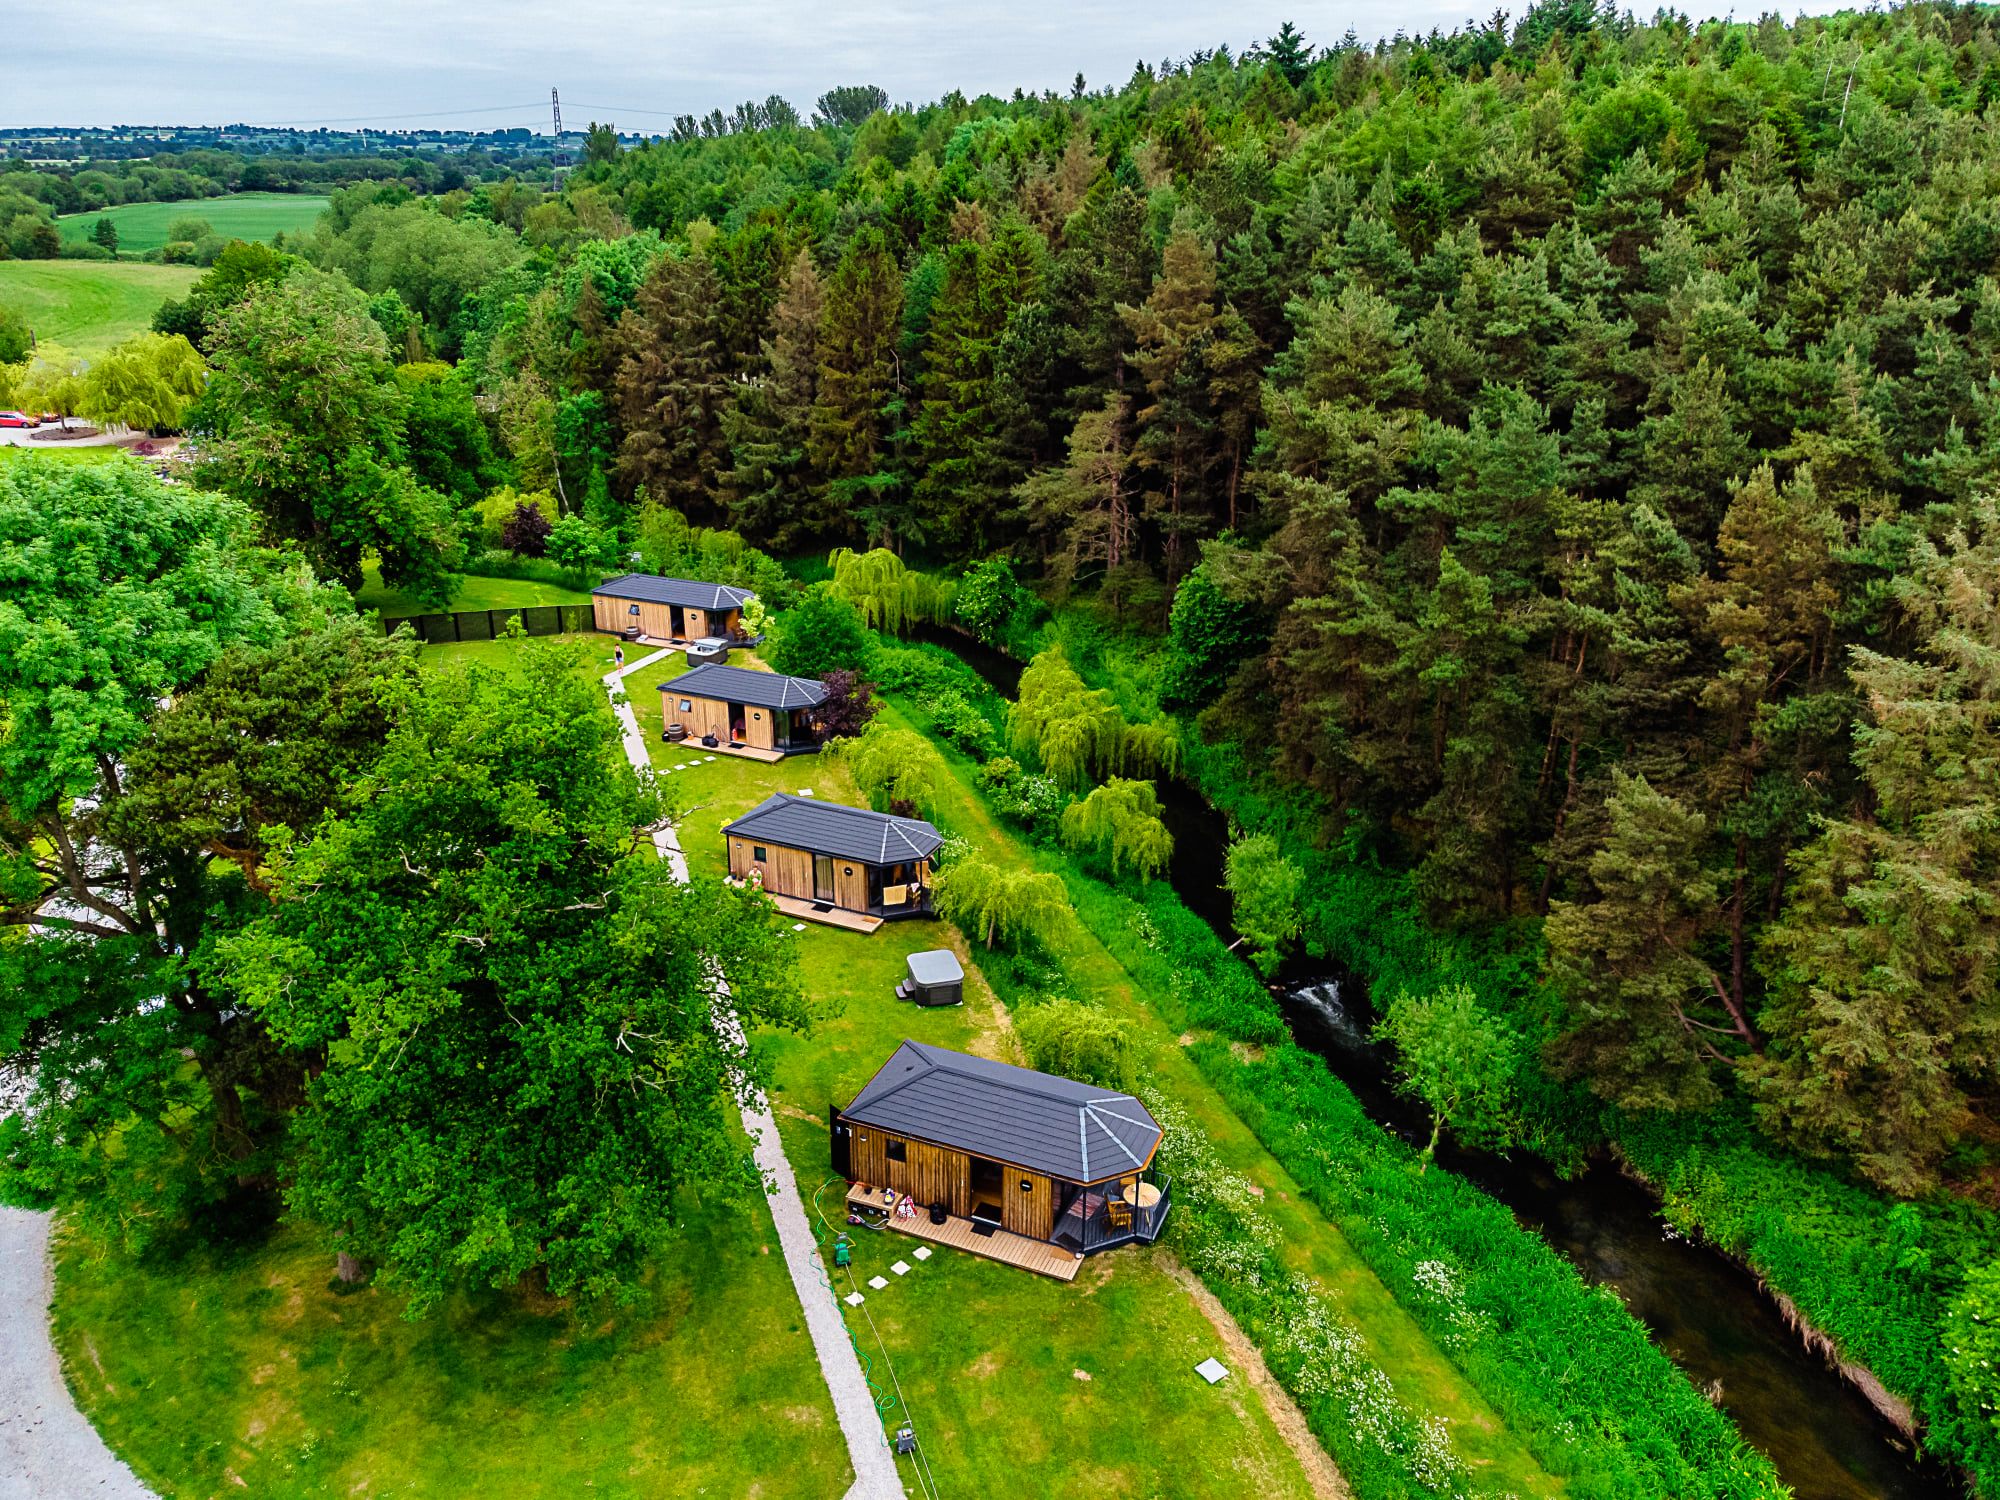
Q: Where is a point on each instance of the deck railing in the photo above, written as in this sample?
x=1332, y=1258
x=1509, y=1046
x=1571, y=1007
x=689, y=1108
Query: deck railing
x=1099, y=1217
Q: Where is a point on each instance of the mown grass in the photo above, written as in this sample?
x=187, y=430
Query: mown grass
x=859, y=974
x=241, y=1372
x=61, y=453
x=469, y=591
x=1011, y=1378
x=235, y=216
x=87, y=305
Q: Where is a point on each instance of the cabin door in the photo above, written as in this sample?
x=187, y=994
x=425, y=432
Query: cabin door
x=678, y=623
x=822, y=877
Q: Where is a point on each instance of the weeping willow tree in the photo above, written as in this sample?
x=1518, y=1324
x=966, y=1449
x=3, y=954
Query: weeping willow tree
x=1120, y=821
x=1003, y=906
x=890, y=596
x=1078, y=732
x=896, y=768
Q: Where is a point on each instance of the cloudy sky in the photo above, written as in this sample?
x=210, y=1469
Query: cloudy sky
x=490, y=63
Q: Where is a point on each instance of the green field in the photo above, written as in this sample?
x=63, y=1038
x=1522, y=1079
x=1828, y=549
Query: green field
x=87, y=306
x=470, y=591
x=237, y=216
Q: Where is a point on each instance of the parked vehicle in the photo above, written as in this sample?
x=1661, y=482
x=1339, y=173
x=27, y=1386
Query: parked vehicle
x=17, y=419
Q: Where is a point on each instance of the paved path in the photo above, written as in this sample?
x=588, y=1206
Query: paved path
x=875, y=1476
x=48, y=1449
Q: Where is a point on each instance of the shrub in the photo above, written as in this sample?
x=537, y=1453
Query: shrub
x=821, y=633
x=526, y=530
x=958, y=723
x=1119, y=822
x=1264, y=886
x=897, y=767
x=1076, y=1041
x=848, y=707
x=990, y=600
x=1031, y=802
x=1010, y=906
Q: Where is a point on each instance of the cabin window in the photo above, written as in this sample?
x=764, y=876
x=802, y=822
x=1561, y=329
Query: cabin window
x=686, y=707
x=757, y=852
x=897, y=1150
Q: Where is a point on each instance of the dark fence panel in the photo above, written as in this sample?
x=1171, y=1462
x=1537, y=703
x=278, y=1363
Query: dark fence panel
x=488, y=624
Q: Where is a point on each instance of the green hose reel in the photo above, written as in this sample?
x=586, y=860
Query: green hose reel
x=842, y=1251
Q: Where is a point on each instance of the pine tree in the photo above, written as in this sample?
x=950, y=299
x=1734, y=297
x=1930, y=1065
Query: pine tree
x=1628, y=959
x=1885, y=963
x=858, y=336
x=771, y=489
x=673, y=386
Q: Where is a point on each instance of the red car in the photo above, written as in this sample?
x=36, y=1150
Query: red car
x=17, y=419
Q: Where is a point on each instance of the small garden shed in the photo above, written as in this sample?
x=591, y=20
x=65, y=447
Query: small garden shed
x=740, y=709
x=1004, y=1148
x=833, y=857
x=669, y=609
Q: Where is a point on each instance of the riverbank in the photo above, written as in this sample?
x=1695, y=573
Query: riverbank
x=1832, y=1424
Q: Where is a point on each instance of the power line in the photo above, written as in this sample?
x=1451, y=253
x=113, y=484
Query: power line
x=436, y=114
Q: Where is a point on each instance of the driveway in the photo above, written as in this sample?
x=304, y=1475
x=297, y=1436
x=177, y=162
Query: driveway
x=48, y=1448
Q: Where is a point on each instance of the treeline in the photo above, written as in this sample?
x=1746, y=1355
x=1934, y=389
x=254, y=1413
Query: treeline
x=1562, y=446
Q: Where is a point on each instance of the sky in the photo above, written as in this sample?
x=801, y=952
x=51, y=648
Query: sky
x=490, y=64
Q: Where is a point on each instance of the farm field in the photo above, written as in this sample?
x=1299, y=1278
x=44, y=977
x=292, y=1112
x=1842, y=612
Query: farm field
x=87, y=306
x=237, y=216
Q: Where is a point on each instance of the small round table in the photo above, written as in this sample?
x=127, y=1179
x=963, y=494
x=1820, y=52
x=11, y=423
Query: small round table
x=1142, y=1194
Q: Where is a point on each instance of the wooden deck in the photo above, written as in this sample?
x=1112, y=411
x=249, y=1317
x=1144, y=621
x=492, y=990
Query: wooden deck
x=833, y=916
x=1009, y=1249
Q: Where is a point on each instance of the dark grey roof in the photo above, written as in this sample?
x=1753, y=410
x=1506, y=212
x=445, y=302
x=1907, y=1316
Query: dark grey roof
x=835, y=828
x=741, y=685
x=686, y=592
x=1057, y=1126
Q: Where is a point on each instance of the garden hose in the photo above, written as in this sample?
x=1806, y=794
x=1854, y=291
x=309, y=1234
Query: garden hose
x=823, y=1238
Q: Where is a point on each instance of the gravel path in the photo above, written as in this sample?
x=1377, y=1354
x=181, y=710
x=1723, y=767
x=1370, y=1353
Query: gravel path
x=48, y=1449
x=875, y=1476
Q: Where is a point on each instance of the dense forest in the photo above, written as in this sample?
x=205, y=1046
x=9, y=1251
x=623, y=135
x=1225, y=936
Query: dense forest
x=1559, y=458
x=1566, y=446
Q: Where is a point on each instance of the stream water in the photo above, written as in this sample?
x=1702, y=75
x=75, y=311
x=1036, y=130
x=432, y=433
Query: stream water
x=1704, y=1310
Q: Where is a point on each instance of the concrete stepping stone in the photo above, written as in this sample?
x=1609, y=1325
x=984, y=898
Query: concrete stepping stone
x=922, y=1252
x=854, y=1299
x=1211, y=1370
x=901, y=1268
x=877, y=1282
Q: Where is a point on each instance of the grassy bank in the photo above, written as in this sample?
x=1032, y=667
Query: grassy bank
x=86, y=305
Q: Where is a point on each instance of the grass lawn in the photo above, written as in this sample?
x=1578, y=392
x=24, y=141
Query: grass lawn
x=61, y=453
x=859, y=974
x=86, y=305
x=469, y=592
x=242, y=1373
x=235, y=216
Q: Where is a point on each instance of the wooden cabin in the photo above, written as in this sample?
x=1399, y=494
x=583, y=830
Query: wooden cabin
x=738, y=709
x=1006, y=1150
x=835, y=857
x=671, y=611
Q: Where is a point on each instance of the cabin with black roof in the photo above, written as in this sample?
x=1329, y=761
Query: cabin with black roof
x=735, y=709
x=671, y=611
x=1026, y=1167
x=828, y=862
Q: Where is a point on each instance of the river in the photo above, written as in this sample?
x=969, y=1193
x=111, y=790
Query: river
x=1703, y=1309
